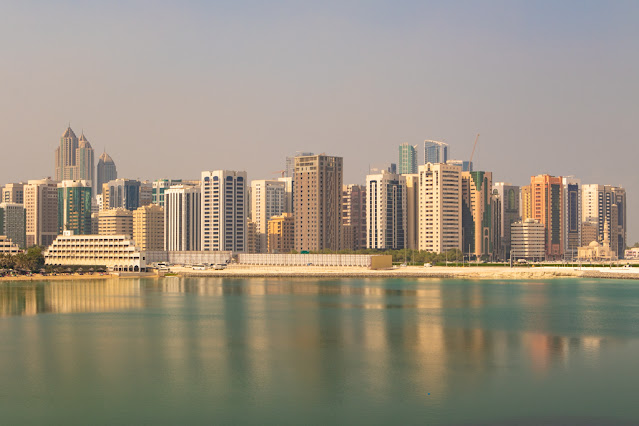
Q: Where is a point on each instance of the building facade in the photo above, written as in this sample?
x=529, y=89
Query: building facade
x=281, y=233
x=148, y=227
x=115, y=222
x=106, y=171
x=182, y=218
x=407, y=159
x=74, y=206
x=528, y=240
x=548, y=209
x=318, y=202
x=412, y=211
x=353, y=217
x=41, y=204
x=13, y=221
x=509, y=214
x=123, y=193
x=435, y=152
x=607, y=204
x=224, y=210
x=477, y=213
x=268, y=199
x=74, y=158
x=7, y=246
x=572, y=215
x=386, y=211
x=440, y=207
x=13, y=193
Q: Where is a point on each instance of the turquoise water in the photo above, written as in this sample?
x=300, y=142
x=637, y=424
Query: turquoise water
x=356, y=351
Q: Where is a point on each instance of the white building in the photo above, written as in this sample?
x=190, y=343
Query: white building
x=224, y=211
x=386, y=211
x=182, y=206
x=7, y=246
x=41, y=203
x=528, y=240
x=268, y=199
x=116, y=252
x=440, y=207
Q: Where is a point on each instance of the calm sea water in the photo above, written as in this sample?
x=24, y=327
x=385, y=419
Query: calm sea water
x=356, y=351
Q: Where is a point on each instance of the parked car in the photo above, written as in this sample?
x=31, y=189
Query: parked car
x=219, y=266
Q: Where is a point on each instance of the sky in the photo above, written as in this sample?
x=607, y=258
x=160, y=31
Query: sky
x=172, y=88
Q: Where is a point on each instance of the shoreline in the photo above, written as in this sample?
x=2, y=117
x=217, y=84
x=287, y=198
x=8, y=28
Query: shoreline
x=411, y=272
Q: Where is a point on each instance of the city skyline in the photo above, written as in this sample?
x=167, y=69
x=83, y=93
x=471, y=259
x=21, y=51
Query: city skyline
x=531, y=78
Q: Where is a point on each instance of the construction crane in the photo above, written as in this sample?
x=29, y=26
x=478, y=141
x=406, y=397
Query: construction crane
x=473, y=153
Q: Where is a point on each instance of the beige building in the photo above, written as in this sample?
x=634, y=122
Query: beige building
x=7, y=246
x=13, y=193
x=588, y=232
x=526, y=202
x=268, y=199
x=476, y=212
x=440, y=205
x=148, y=227
x=252, y=238
x=115, y=222
x=318, y=202
x=281, y=233
x=41, y=203
x=606, y=204
x=528, y=240
x=412, y=211
x=596, y=251
x=353, y=217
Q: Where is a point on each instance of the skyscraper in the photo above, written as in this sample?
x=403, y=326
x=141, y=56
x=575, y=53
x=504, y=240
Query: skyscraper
x=435, y=152
x=440, y=207
x=353, y=217
x=268, y=199
x=547, y=207
x=407, y=159
x=41, y=203
x=84, y=166
x=74, y=207
x=386, y=211
x=603, y=204
x=106, y=171
x=572, y=215
x=412, y=211
x=509, y=195
x=476, y=213
x=224, y=211
x=74, y=158
x=182, y=209
x=318, y=202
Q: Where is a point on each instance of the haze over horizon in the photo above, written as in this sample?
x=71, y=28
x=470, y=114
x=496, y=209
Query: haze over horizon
x=174, y=88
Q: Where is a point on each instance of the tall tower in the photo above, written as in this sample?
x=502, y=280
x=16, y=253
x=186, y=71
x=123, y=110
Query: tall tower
x=182, y=218
x=106, y=171
x=41, y=203
x=318, y=202
x=84, y=165
x=65, y=156
x=268, y=199
x=386, y=211
x=435, y=152
x=74, y=207
x=547, y=207
x=476, y=212
x=407, y=159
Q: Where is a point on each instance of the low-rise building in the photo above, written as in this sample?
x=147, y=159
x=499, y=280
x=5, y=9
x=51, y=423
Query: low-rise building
x=281, y=234
x=7, y=246
x=116, y=252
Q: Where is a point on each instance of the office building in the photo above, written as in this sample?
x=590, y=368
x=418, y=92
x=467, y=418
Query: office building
x=386, y=211
x=548, y=208
x=508, y=214
x=41, y=204
x=572, y=215
x=74, y=207
x=13, y=222
x=84, y=164
x=148, y=228
x=318, y=202
x=117, y=221
x=74, y=158
x=268, y=199
x=106, y=171
x=605, y=203
x=123, y=193
x=182, y=218
x=224, y=211
x=528, y=240
x=476, y=213
x=281, y=233
x=13, y=193
x=412, y=211
x=407, y=159
x=353, y=217
x=435, y=152
x=440, y=207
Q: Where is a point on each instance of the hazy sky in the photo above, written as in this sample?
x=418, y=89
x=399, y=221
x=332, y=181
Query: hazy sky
x=173, y=88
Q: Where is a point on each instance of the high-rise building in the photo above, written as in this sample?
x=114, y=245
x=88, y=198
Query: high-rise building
x=106, y=171
x=476, y=213
x=159, y=186
x=440, y=207
x=318, y=202
x=290, y=162
x=572, y=215
x=182, y=220
x=526, y=204
x=528, y=240
x=268, y=199
x=548, y=208
x=589, y=232
x=412, y=211
x=65, y=156
x=435, y=152
x=74, y=207
x=13, y=218
x=288, y=193
x=121, y=193
x=84, y=165
x=407, y=159
x=386, y=211
x=253, y=243
x=353, y=217
x=148, y=228
x=606, y=204
x=466, y=166
x=509, y=214
x=13, y=193
x=281, y=233
x=146, y=193
x=118, y=221
x=224, y=210
x=41, y=203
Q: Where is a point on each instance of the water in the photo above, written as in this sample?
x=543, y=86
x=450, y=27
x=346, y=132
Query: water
x=356, y=351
